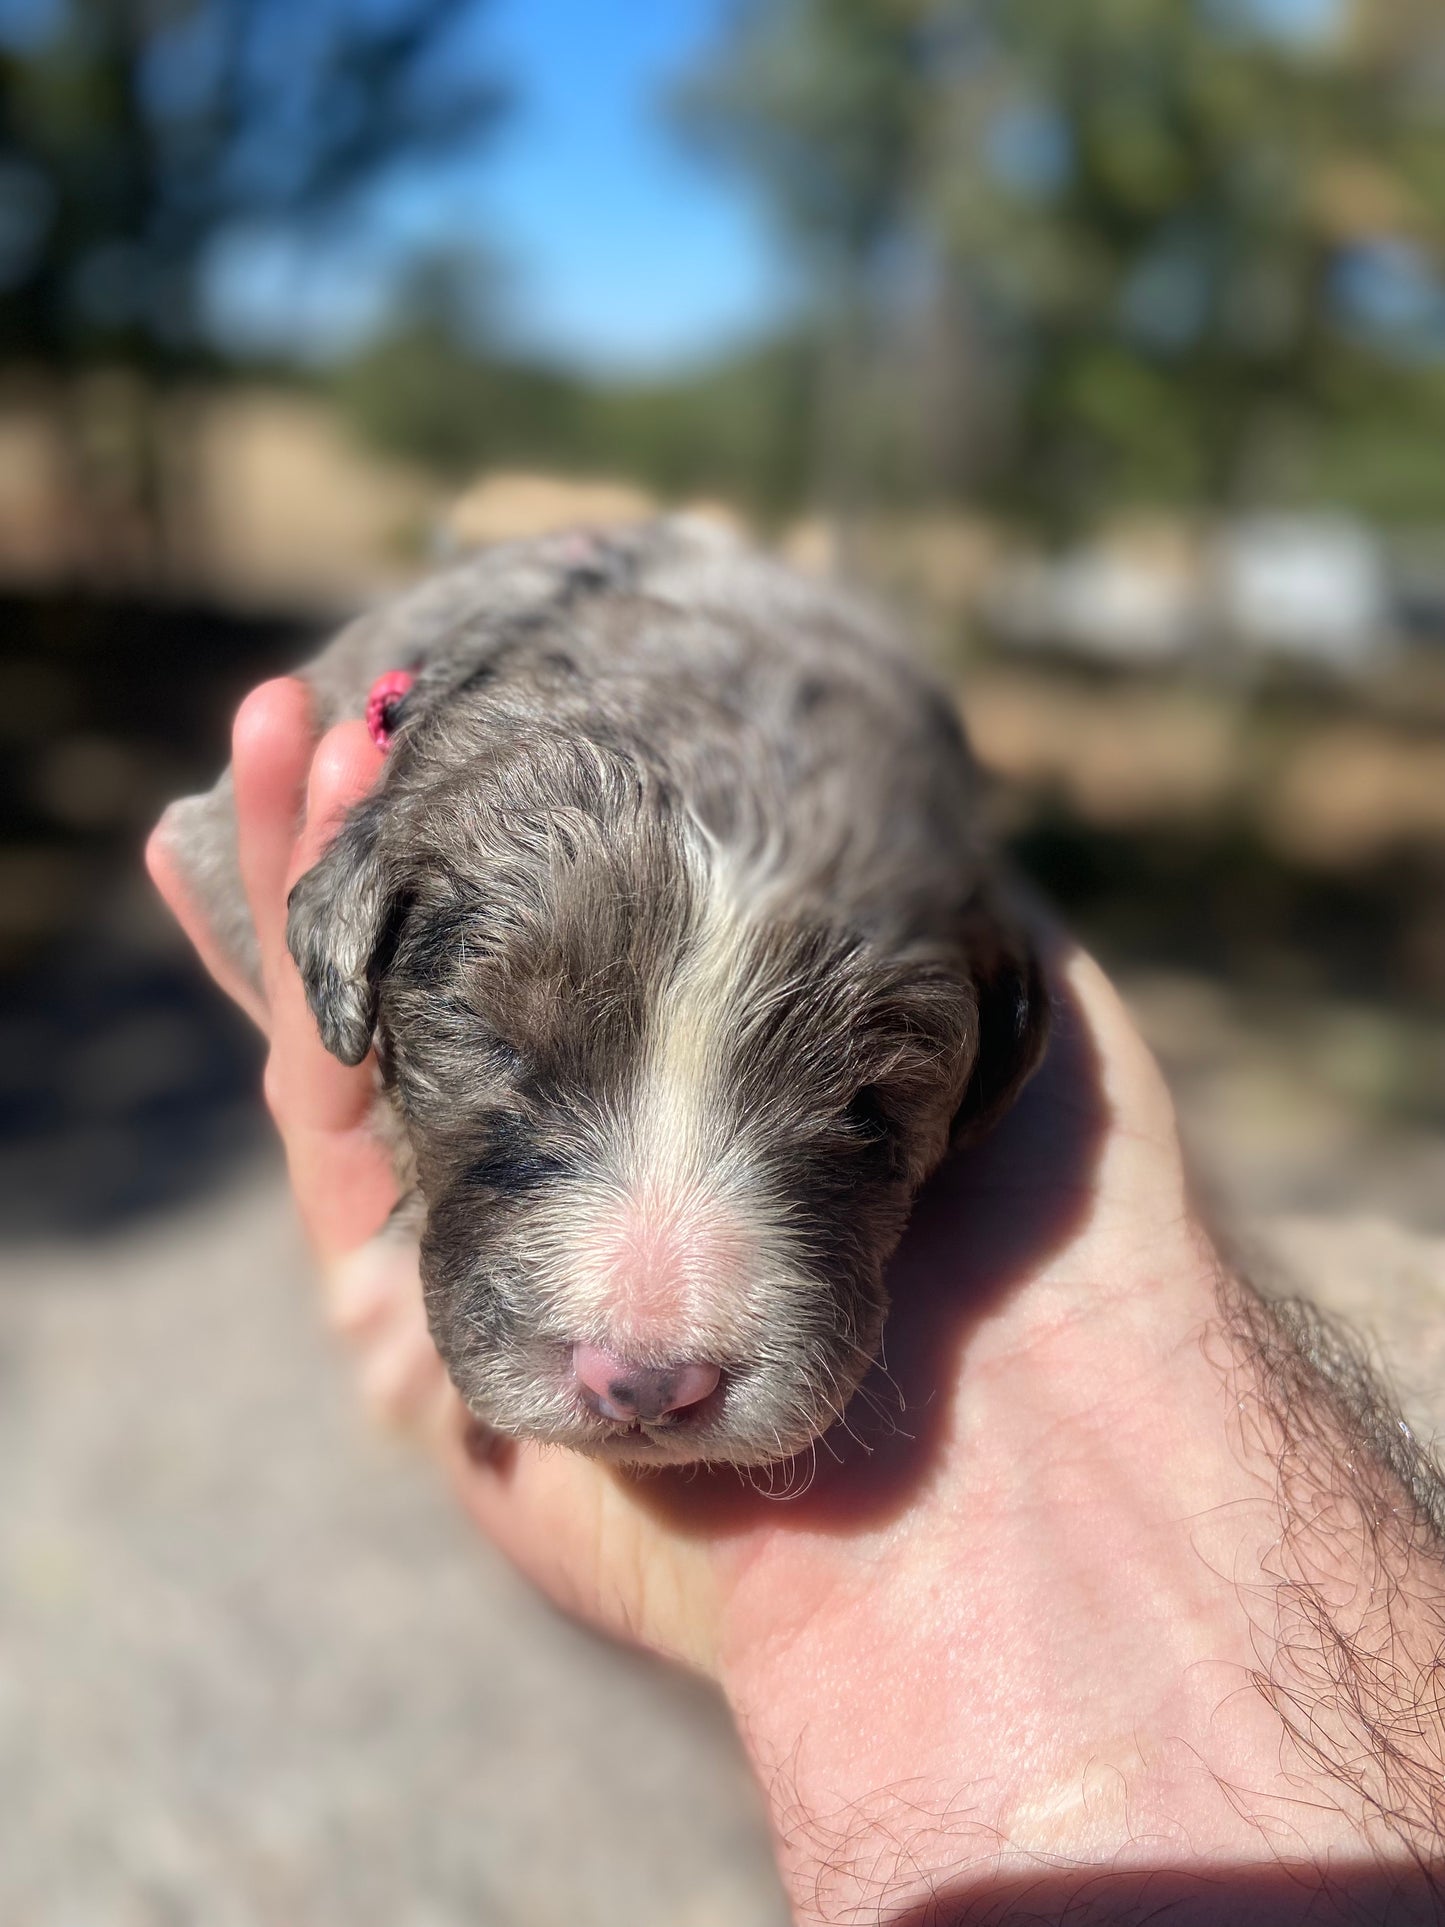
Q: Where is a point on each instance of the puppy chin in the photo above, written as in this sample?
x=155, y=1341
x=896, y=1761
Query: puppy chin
x=641, y=1448
x=707, y=1436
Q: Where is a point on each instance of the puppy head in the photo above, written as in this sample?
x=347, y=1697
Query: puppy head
x=667, y=1127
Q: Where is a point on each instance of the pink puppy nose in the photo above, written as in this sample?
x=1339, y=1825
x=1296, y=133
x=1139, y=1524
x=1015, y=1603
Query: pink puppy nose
x=618, y=1390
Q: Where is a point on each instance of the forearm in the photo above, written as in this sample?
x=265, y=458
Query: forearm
x=1180, y=1642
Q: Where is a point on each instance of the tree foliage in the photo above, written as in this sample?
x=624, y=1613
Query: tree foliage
x=434, y=389
x=134, y=133
x=1189, y=250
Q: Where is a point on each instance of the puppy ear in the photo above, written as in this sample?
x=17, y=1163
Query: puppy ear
x=337, y=922
x=1013, y=1019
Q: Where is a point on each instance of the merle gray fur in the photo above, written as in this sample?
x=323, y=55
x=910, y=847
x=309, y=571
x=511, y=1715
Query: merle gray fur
x=649, y=781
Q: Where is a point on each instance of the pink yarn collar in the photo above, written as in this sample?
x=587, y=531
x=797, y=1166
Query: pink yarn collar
x=382, y=704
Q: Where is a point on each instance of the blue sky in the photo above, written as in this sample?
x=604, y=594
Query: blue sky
x=628, y=247
x=619, y=250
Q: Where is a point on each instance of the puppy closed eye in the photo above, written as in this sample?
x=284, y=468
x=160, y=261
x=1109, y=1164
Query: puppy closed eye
x=880, y=1133
x=458, y=1021
x=511, y=1162
x=868, y=1120
x=500, y=1055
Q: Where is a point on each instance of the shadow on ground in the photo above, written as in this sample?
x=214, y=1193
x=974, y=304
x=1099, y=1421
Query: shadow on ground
x=126, y=1083
x=125, y=1086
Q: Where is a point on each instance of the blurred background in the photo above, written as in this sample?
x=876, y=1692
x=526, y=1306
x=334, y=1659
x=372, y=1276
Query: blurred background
x=1106, y=340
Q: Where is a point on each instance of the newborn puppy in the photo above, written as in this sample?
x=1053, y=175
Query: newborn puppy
x=670, y=925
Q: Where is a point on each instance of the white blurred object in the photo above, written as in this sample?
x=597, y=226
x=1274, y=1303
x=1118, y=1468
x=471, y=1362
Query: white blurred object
x=1315, y=588
x=1133, y=596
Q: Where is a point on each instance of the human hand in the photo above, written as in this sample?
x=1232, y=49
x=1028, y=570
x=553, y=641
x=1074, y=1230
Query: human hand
x=1013, y=1630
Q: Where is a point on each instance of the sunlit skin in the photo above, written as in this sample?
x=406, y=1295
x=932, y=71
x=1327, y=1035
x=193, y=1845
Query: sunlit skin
x=1000, y=1634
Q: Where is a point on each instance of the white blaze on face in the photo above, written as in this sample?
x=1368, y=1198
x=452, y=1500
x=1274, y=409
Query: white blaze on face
x=672, y=1256
x=682, y=1131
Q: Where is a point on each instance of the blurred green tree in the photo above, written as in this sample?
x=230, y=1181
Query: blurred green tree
x=427, y=385
x=436, y=387
x=824, y=102
x=136, y=133
x=1180, y=251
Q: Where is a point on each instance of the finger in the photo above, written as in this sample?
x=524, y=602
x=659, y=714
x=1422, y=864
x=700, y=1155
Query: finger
x=308, y=1089
x=341, y=1174
x=166, y=875
x=577, y=1530
x=271, y=747
x=402, y=1376
x=374, y=1300
x=344, y=768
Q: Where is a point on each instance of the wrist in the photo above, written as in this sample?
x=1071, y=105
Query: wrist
x=1050, y=1665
